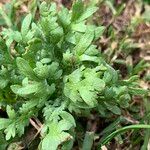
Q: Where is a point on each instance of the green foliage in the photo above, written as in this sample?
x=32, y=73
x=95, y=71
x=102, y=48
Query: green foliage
x=121, y=130
x=88, y=141
x=51, y=65
x=148, y=1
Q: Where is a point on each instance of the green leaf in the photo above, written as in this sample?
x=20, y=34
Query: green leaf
x=79, y=27
x=84, y=86
x=17, y=36
x=71, y=93
x=88, y=96
x=28, y=89
x=3, y=82
x=87, y=13
x=55, y=136
x=11, y=112
x=98, y=84
x=46, y=60
x=113, y=108
x=124, y=100
x=77, y=10
x=99, y=31
x=25, y=68
x=92, y=51
x=64, y=18
x=33, y=47
x=68, y=117
x=44, y=10
x=28, y=106
x=4, y=123
x=68, y=145
x=76, y=75
x=26, y=25
x=138, y=91
x=88, y=141
x=107, y=77
x=89, y=58
x=54, y=72
x=42, y=71
x=29, y=36
x=64, y=125
x=10, y=131
x=84, y=42
x=57, y=34
x=48, y=24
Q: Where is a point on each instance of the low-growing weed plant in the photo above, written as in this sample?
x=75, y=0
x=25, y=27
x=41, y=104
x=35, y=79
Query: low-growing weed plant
x=52, y=73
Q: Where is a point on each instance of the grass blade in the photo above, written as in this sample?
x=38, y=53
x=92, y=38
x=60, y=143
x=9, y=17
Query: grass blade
x=122, y=130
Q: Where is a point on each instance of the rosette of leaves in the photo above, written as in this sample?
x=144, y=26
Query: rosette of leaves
x=51, y=65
